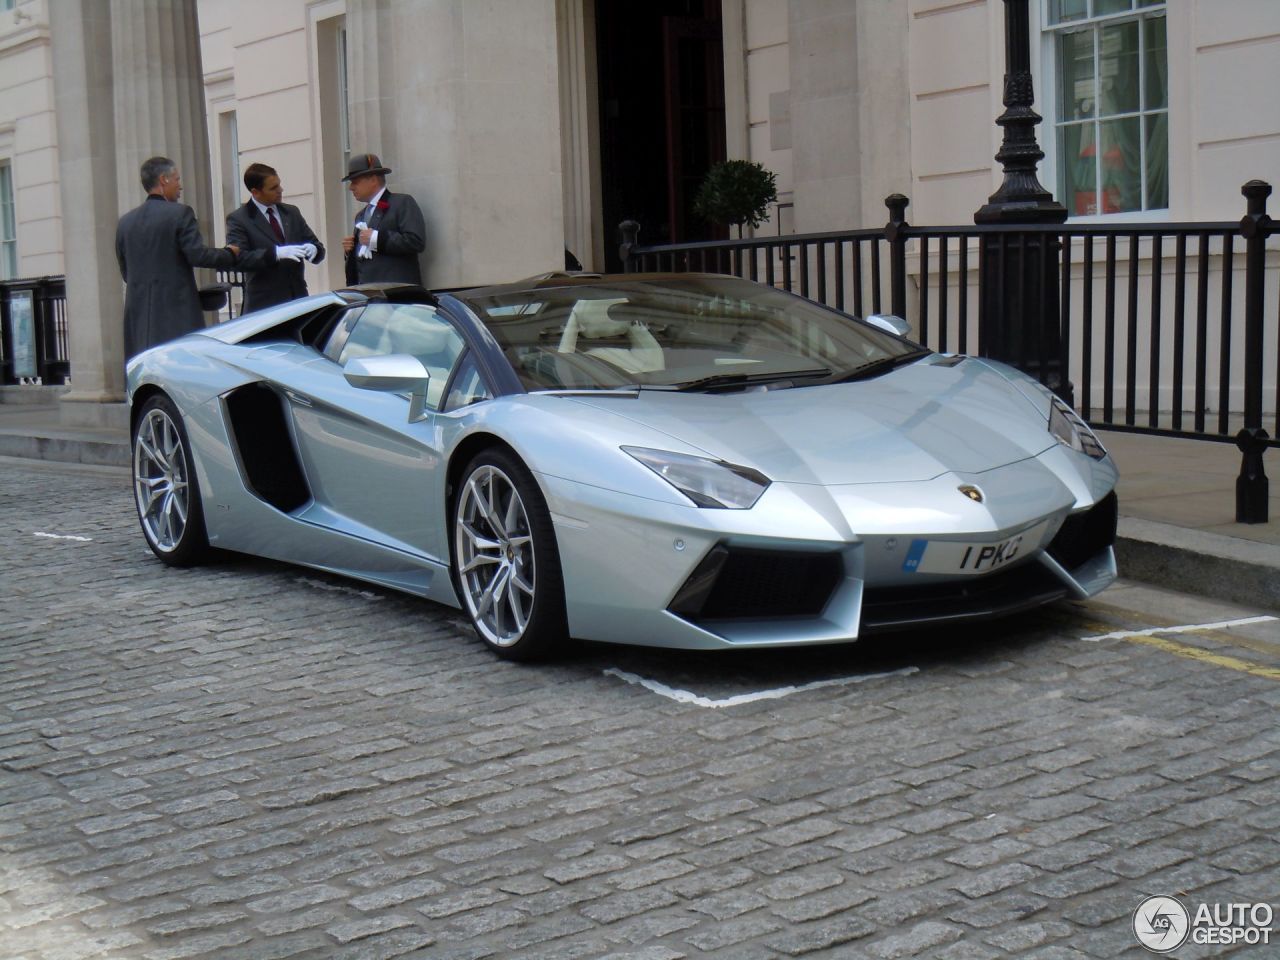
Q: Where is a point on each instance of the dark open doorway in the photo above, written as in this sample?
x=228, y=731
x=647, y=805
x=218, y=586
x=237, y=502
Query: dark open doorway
x=661, y=75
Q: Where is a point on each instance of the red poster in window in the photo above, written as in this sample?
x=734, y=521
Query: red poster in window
x=1113, y=169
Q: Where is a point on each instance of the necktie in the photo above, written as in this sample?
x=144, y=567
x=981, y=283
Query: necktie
x=275, y=224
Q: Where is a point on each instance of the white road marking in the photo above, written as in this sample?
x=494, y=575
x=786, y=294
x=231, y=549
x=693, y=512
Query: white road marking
x=335, y=588
x=684, y=696
x=1188, y=628
x=62, y=536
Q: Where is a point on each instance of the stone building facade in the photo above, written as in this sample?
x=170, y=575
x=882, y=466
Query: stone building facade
x=527, y=128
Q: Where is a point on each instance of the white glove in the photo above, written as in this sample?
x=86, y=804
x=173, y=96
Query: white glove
x=291, y=251
x=309, y=252
x=364, y=253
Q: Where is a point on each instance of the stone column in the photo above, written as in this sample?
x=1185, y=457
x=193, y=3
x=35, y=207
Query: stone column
x=159, y=101
x=371, y=81
x=824, y=104
x=462, y=100
x=81, y=35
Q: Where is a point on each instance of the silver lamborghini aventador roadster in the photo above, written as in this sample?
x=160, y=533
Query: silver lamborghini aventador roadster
x=675, y=460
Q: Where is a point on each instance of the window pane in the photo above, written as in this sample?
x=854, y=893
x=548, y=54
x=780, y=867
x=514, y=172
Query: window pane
x=1077, y=166
x=1157, y=126
x=1118, y=69
x=1103, y=7
x=1061, y=11
x=1157, y=63
x=1121, y=165
x=1075, y=53
x=8, y=229
x=468, y=386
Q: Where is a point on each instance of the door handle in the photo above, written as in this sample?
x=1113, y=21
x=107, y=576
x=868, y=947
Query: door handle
x=298, y=399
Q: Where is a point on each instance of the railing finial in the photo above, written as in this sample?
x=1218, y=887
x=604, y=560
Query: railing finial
x=629, y=234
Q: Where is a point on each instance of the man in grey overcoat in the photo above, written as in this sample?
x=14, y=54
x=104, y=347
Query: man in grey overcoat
x=389, y=229
x=158, y=245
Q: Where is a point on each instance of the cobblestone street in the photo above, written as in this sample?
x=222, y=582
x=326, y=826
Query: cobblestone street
x=257, y=760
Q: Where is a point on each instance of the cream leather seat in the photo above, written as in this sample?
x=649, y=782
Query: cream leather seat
x=637, y=350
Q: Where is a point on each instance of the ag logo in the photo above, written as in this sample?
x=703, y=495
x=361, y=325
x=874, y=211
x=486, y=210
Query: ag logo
x=970, y=491
x=1161, y=924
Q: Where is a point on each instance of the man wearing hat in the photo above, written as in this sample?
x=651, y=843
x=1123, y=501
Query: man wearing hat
x=389, y=229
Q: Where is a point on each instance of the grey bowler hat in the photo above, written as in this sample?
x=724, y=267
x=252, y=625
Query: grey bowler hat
x=363, y=163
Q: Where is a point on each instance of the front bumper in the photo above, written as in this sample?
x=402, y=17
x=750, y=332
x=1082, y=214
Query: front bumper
x=654, y=574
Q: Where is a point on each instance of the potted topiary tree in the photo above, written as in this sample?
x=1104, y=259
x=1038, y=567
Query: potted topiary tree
x=736, y=192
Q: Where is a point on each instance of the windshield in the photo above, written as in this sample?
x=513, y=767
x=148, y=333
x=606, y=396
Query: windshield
x=677, y=332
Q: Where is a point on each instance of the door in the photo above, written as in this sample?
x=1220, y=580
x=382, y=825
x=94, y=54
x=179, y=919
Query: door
x=693, y=67
x=374, y=474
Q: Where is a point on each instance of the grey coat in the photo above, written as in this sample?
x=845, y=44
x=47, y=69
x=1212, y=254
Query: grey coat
x=402, y=235
x=269, y=281
x=157, y=245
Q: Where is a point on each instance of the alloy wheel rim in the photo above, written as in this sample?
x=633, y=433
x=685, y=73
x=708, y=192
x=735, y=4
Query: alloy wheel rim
x=495, y=556
x=160, y=482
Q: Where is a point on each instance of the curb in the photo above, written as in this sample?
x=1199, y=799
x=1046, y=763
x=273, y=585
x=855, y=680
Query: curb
x=66, y=448
x=1193, y=561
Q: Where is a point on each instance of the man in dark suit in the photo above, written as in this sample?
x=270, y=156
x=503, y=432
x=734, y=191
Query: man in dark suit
x=389, y=231
x=158, y=245
x=267, y=231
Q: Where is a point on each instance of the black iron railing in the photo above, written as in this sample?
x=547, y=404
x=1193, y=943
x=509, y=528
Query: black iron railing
x=1155, y=308
x=235, y=296
x=33, y=327
x=33, y=331
x=1165, y=328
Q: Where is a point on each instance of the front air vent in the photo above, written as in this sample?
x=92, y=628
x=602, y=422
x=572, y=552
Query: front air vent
x=736, y=583
x=1084, y=535
x=1009, y=591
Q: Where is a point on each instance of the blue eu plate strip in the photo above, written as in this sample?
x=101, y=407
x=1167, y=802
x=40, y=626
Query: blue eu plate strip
x=914, y=555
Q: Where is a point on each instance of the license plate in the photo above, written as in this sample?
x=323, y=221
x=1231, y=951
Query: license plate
x=949, y=556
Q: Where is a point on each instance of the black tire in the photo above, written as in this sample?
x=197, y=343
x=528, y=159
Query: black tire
x=506, y=566
x=165, y=490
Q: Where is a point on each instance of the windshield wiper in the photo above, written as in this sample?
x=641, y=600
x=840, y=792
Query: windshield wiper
x=719, y=380
x=876, y=367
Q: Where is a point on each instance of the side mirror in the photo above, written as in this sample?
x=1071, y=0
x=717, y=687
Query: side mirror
x=889, y=323
x=393, y=373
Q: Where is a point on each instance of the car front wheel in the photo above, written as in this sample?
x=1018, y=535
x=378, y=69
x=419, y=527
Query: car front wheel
x=505, y=557
x=164, y=485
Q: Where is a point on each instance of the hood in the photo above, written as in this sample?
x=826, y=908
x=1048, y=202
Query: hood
x=935, y=416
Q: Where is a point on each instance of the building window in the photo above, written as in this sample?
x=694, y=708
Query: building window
x=6, y=5
x=8, y=226
x=1112, y=125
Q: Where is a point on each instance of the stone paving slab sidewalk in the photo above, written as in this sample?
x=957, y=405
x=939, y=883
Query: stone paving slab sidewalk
x=255, y=761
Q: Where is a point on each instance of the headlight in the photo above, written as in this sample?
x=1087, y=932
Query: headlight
x=708, y=483
x=1072, y=431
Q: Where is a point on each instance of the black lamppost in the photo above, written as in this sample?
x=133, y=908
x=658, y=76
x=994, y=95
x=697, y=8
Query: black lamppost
x=1020, y=283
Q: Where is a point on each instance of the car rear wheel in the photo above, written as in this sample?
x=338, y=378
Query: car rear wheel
x=164, y=485
x=506, y=563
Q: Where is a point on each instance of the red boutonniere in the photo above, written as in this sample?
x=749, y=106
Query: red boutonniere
x=382, y=205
